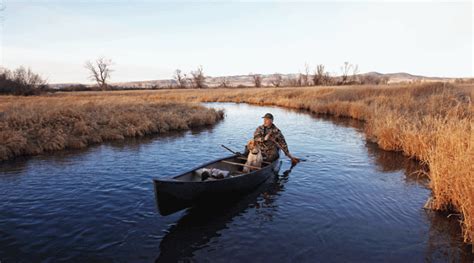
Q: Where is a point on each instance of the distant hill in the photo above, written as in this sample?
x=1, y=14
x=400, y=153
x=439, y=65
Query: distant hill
x=402, y=77
x=246, y=80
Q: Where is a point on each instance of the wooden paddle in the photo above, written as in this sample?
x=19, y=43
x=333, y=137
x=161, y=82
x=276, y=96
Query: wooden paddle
x=294, y=160
x=236, y=153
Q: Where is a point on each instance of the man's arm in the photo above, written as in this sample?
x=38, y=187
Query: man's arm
x=280, y=139
x=281, y=142
x=258, y=134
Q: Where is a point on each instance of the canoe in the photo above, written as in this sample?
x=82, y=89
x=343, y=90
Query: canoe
x=187, y=189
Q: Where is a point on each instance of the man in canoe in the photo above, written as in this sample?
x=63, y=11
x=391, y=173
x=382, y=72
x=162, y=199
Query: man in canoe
x=270, y=140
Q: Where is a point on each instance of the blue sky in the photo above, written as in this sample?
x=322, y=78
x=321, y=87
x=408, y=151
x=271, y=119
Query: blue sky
x=149, y=40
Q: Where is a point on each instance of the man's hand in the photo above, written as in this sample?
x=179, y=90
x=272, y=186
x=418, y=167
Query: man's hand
x=294, y=160
x=268, y=137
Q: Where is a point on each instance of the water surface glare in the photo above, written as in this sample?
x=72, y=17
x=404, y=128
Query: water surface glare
x=349, y=202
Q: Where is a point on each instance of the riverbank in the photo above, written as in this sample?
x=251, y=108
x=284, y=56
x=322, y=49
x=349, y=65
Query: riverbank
x=33, y=125
x=430, y=122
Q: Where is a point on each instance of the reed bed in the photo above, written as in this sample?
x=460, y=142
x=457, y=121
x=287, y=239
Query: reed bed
x=432, y=123
x=33, y=125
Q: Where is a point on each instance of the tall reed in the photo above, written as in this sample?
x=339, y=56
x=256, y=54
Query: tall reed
x=33, y=125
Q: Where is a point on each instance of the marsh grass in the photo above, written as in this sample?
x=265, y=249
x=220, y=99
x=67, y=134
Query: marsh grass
x=33, y=125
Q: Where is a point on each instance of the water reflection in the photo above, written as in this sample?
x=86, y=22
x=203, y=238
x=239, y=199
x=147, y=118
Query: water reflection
x=445, y=228
x=201, y=224
x=389, y=161
x=386, y=161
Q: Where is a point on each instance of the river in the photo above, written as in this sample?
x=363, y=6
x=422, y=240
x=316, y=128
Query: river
x=349, y=202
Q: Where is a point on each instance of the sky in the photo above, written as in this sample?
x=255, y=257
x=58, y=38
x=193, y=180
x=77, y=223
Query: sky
x=148, y=40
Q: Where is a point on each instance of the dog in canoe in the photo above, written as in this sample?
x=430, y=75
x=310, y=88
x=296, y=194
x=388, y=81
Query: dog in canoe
x=254, y=157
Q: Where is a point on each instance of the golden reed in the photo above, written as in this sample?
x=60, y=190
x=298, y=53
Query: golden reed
x=32, y=125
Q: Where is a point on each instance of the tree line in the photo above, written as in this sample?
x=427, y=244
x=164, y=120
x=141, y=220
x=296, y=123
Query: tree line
x=317, y=77
x=100, y=73
x=23, y=81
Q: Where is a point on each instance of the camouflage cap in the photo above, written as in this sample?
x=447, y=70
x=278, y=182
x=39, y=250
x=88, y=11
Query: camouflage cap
x=268, y=116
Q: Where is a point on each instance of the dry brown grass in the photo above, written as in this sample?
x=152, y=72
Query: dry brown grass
x=432, y=123
x=32, y=125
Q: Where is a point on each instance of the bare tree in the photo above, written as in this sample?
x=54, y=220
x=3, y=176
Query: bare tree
x=328, y=80
x=276, y=80
x=355, y=71
x=28, y=78
x=306, y=78
x=345, y=70
x=180, y=78
x=225, y=83
x=198, y=78
x=257, y=79
x=21, y=81
x=100, y=71
x=303, y=80
x=300, y=80
x=319, y=75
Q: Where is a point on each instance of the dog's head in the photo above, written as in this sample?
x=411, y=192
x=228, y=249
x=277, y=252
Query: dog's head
x=252, y=146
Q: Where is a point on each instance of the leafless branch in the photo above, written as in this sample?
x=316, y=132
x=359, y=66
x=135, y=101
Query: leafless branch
x=100, y=71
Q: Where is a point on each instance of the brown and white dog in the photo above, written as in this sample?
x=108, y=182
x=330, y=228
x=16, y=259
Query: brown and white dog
x=254, y=158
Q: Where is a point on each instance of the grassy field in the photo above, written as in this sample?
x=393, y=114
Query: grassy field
x=430, y=122
x=32, y=125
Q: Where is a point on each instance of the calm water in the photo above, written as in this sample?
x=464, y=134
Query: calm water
x=348, y=202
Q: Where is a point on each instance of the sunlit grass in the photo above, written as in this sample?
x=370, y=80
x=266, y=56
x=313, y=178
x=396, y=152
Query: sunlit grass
x=32, y=125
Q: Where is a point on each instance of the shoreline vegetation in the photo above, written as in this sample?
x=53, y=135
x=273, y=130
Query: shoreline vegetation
x=38, y=124
x=430, y=122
